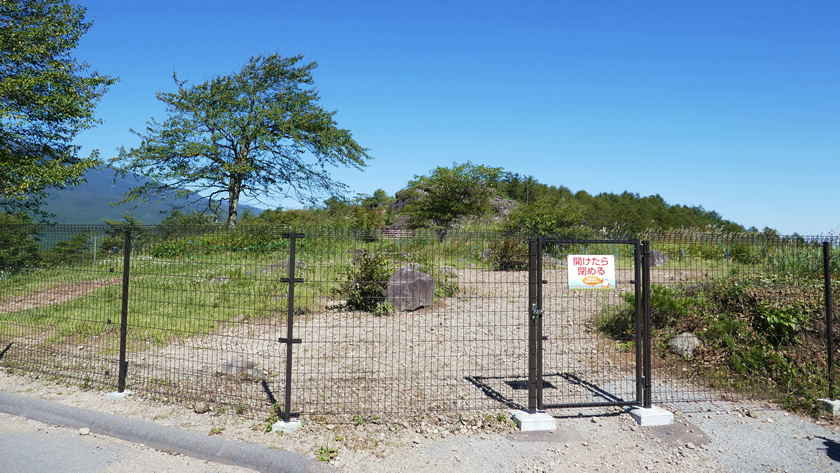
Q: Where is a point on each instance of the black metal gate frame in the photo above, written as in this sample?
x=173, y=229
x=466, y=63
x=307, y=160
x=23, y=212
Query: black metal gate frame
x=641, y=281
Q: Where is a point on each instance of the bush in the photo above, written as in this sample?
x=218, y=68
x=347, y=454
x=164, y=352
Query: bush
x=509, y=255
x=75, y=251
x=18, y=248
x=366, y=284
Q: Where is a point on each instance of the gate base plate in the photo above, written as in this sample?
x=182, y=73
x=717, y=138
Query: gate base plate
x=651, y=417
x=531, y=422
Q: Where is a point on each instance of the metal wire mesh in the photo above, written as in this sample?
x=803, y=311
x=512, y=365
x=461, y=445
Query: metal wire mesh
x=763, y=291
x=207, y=309
x=589, y=358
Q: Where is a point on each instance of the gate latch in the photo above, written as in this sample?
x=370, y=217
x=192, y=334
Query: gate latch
x=535, y=312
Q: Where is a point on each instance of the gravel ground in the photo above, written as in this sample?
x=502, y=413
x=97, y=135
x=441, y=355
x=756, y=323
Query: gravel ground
x=720, y=436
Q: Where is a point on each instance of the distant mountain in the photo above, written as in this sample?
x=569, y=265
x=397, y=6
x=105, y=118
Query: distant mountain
x=89, y=203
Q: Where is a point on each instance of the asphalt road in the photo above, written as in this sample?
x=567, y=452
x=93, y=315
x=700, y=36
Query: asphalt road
x=42, y=437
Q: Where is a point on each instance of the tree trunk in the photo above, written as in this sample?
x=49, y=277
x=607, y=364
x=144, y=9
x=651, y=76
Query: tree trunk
x=233, y=201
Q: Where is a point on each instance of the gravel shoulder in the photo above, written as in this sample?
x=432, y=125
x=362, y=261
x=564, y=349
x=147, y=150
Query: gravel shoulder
x=721, y=436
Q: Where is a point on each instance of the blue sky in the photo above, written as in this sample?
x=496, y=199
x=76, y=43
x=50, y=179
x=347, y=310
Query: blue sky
x=732, y=105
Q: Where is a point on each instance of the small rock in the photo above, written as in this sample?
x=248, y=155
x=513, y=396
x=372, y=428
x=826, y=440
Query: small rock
x=752, y=413
x=201, y=407
x=330, y=426
x=690, y=446
x=84, y=431
x=81, y=347
x=769, y=421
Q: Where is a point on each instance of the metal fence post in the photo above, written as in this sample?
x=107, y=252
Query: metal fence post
x=123, y=369
x=639, y=338
x=289, y=339
x=829, y=331
x=539, y=315
x=533, y=307
x=647, y=328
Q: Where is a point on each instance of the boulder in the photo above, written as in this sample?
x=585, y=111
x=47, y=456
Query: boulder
x=657, y=258
x=685, y=344
x=410, y=289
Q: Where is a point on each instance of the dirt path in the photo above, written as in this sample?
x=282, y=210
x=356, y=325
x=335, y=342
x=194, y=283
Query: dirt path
x=54, y=295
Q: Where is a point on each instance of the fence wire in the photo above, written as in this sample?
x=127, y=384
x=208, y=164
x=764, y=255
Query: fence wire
x=207, y=308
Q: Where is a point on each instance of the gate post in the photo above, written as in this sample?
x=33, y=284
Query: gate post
x=639, y=334
x=534, y=325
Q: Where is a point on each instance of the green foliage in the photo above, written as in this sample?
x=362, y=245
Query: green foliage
x=545, y=217
x=446, y=280
x=326, y=453
x=46, y=98
x=179, y=223
x=448, y=194
x=260, y=131
x=366, y=283
x=74, y=251
x=628, y=212
x=510, y=255
x=18, y=247
x=115, y=236
x=759, y=332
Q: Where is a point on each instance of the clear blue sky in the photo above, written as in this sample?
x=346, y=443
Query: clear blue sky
x=732, y=105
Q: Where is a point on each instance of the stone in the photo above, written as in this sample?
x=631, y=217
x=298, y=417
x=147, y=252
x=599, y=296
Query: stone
x=84, y=431
x=685, y=344
x=240, y=367
x=410, y=289
x=657, y=258
x=219, y=280
x=201, y=407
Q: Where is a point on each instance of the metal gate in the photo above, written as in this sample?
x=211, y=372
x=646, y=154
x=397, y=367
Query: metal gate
x=588, y=348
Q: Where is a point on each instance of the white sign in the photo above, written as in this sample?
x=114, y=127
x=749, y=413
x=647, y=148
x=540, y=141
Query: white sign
x=591, y=272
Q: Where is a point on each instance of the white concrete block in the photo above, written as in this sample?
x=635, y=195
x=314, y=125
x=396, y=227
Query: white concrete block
x=286, y=427
x=651, y=417
x=528, y=422
x=831, y=405
x=117, y=396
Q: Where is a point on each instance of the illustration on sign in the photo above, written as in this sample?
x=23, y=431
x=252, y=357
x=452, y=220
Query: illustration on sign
x=591, y=272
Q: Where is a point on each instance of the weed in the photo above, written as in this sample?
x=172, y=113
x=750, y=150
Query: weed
x=325, y=453
x=360, y=419
x=216, y=431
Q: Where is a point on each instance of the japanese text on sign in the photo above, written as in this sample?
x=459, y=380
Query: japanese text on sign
x=591, y=272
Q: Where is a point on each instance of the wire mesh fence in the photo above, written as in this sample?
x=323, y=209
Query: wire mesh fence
x=736, y=316
x=402, y=323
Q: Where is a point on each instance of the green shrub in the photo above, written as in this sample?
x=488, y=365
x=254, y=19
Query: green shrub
x=18, y=247
x=446, y=281
x=76, y=250
x=509, y=255
x=366, y=283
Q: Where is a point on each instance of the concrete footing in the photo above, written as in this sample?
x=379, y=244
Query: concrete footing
x=831, y=405
x=117, y=396
x=286, y=427
x=651, y=417
x=527, y=422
